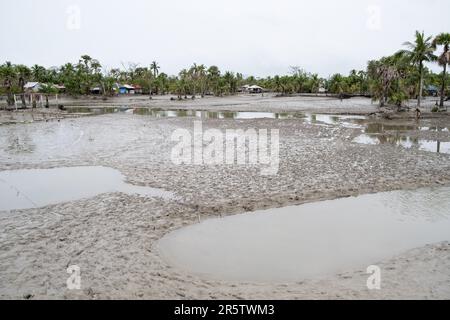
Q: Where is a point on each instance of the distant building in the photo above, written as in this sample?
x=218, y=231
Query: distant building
x=244, y=88
x=137, y=89
x=96, y=90
x=126, y=89
x=32, y=87
x=255, y=89
x=60, y=88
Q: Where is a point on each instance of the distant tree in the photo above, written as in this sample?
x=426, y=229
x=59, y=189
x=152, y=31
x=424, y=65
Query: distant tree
x=23, y=73
x=39, y=73
x=386, y=80
x=443, y=39
x=48, y=89
x=418, y=53
x=8, y=74
x=213, y=79
x=315, y=83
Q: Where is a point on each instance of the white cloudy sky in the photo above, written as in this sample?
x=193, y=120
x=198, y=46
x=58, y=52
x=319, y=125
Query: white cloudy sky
x=253, y=36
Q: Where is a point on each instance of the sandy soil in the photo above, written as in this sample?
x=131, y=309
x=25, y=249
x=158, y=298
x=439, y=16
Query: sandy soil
x=112, y=237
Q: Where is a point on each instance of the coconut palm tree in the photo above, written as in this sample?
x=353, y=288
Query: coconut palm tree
x=213, y=78
x=155, y=68
x=8, y=74
x=418, y=53
x=48, y=89
x=38, y=73
x=443, y=39
x=23, y=72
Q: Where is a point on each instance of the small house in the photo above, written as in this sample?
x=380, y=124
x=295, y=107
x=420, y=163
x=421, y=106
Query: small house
x=60, y=88
x=255, y=89
x=32, y=87
x=244, y=88
x=137, y=89
x=126, y=89
x=96, y=90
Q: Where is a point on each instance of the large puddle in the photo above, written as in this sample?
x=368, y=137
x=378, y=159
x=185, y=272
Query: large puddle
x=399, y=134
x=311, y=118
x=299, y=242
x=25, y=189
x=405, y=142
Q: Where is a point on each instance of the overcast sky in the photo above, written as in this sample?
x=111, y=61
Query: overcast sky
x=256, y=37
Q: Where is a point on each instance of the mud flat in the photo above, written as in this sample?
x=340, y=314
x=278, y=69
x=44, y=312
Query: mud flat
x=112, y=237
x=268, y=102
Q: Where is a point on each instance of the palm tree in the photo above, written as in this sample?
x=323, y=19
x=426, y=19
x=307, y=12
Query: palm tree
x=382, y=73
x=443, y=39
x=418, y=53
x=315, y=83
x=154, y=67
x=213, y=78
x=8, y=74
x=23, y=73
x=38, y=73
x=201, y=75
x=48, y=89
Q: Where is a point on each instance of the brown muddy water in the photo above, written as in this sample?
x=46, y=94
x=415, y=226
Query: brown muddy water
x=311, y=240
x=25, y=189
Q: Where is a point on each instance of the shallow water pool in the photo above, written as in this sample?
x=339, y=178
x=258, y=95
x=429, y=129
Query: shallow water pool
x=311, y=240
x=25, y=189
x=406, y=142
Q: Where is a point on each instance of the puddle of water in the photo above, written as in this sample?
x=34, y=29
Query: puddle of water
x=344, y=120
x=94, y=111
x=405, y=142
x=383, y=127
x=312, y=240
x=217, y=114
x=25, y=189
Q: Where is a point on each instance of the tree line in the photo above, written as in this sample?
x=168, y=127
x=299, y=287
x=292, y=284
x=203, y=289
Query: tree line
x=389, y=80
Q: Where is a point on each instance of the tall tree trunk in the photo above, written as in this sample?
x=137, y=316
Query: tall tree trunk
x=24, y=103
x=443, y=86
x=10, y=97
x=419, y=99
x=150, y=89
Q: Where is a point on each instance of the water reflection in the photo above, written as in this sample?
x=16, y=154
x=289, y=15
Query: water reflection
x=385, y=127
x=94, y=111
x=405, y=142
x=238, y=115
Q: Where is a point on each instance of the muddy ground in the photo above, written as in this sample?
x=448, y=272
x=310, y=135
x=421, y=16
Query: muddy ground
x=112, y=236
